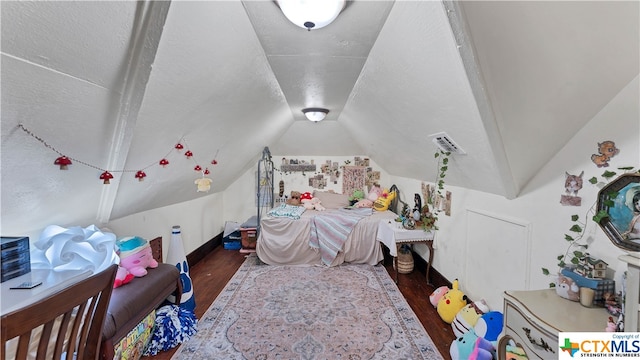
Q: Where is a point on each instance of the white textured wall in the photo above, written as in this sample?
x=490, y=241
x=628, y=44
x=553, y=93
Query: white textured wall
x=200, y=220
x=539, y=206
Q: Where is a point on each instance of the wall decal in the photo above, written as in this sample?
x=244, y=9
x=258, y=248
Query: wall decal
x=354, y=178
x=606, y=150
x=572, y=184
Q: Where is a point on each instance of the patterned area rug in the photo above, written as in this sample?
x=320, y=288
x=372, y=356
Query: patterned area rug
x=291, y=312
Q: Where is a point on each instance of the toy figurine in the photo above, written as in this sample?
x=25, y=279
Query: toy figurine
x=417, y=208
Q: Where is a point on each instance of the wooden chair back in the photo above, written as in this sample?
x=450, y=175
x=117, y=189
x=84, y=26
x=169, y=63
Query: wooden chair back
x=66, y=324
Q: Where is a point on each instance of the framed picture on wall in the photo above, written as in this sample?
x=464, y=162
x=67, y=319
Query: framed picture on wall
x=619, y=211
x=354, y=178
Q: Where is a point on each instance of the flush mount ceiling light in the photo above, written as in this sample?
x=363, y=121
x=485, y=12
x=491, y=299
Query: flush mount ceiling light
x=315, y=114
x=311, y=14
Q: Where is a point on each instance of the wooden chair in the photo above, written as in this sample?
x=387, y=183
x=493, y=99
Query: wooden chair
x=70, y=321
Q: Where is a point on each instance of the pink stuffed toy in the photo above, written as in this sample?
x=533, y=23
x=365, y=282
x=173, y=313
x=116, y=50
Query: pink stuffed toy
x=437, y=294
x=135, y=257
x=375, y=192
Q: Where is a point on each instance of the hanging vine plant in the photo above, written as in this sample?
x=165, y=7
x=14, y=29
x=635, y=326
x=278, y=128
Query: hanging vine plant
x=429, y=217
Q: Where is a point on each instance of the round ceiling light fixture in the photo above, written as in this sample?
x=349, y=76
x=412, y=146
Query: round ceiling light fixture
x=315, y=114
x=311, y=14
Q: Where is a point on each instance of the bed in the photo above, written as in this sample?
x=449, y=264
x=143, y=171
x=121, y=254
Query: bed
x=308, y=237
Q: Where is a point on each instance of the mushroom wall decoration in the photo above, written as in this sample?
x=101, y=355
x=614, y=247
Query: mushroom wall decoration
x=164, y=162
x=188, y=154
x=105, y=177
x=197, y=168
x=63, y=162
x=140, y=175
x=179, y=146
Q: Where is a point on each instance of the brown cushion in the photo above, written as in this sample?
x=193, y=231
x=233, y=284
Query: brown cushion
x=131, y=302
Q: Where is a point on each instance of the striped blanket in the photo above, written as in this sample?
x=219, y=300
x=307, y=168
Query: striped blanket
x=330, y=230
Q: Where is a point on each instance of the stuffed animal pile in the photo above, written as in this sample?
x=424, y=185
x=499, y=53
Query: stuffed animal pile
x=311, y=203
x=476, y=327
x=135, y=257
x=374, y=193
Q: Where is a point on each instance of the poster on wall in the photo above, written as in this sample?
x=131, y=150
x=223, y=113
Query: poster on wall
x=354, y=178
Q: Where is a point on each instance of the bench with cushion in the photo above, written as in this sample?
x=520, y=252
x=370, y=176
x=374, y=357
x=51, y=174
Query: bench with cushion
x=132, y=302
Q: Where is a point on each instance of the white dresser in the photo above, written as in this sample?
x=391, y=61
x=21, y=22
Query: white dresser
x=632, y=295
x=533, y=319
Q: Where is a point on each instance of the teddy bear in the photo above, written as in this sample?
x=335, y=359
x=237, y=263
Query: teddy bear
x=135, y=257
x=294, y=198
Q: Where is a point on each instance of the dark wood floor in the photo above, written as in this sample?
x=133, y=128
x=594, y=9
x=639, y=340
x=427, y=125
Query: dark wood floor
x=212, y=273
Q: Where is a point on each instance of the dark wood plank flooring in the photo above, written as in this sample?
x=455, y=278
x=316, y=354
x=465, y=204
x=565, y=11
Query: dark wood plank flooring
x=212, y=273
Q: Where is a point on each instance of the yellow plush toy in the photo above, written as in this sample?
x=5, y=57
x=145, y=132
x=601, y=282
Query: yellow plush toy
x=452, y=302
x=383, y=202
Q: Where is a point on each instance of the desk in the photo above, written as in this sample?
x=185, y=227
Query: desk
x=52, y=281
x=393, y=236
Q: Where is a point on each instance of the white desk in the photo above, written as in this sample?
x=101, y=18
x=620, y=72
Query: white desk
x=52, y=281
x=393, y=236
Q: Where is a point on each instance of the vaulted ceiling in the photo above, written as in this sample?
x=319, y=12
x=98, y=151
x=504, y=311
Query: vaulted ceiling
x=114, y=85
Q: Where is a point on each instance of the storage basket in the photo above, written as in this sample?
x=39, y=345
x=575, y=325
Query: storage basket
x=405, y=261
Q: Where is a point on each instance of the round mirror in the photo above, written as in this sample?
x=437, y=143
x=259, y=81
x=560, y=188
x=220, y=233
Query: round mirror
x=619, y=211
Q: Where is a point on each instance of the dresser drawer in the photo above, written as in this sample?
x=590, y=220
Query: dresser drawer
x=535, y=340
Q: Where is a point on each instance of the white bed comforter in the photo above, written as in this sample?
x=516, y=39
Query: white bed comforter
x=284, y=241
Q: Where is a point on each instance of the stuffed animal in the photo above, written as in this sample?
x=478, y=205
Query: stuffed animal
x=471, y=346
x=135, y=257
x=437, y=294
x=515, y=353
x=468, y=316
x=364, y=203
x=452, y=301
x=294, y=199
x=384, y=201
x=567, y=288
x=122, y=277
x=375, y=192
x=489, y=326
x=611, y=325
x=355, y=197
x=312, y=203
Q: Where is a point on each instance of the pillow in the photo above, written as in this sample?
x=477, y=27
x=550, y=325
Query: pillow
x=332, y=200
